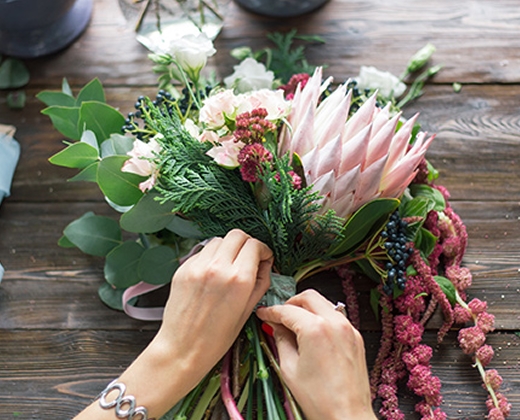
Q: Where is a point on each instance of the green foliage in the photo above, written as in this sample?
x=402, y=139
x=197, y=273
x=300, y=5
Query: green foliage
x=13, y=74
x=148, y=215
x=111, y=296
x=120, y=187
x=423, y=190
x=76, y=155
x=158, y=264
x=448, y=288
x=121, y=265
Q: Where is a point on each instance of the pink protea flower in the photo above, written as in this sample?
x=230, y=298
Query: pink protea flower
x=350, y=160
x=470, y=339
x=251, y=158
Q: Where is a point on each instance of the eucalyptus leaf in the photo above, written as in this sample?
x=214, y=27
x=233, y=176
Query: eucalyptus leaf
x=158, y=264
x=120, y=187
x=65, y=243
x=52, y=97
x=94, y=235
x=90, y=138
x=88, y=174
x=435, y=195
x=101, y=118
x=65, y=87
x=121, y=265
x=368, y=219
x=16, y=99
x=112, y=297
x=185, y=228
x=65, y=120
x=116, y=144
x=13, y=74
x=76, y=155
x=148, y=215
x=92, y=91
x=448, y=288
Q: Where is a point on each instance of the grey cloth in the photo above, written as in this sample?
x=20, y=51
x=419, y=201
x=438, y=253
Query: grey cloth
x=9, y=154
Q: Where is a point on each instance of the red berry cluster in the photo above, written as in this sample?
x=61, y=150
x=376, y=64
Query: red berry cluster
x=251, y=127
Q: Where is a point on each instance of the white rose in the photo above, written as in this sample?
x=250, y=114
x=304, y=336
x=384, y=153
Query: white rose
x=191, y=53
x=272, y=101
x=386, y=83
x=214, y=108
x=250, y=75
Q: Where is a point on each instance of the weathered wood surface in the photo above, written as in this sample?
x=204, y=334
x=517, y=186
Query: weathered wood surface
x=59, y=345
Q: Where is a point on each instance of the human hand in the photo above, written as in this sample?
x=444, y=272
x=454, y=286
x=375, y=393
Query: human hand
x=212, y=295
x=322, y=358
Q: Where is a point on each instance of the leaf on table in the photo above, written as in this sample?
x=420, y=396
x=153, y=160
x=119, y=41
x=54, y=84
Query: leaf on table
x=13, y=74
x=55, y=98
x=94, y=235
x=65, y=120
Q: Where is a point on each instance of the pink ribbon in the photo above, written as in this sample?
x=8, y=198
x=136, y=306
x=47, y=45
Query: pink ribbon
x=153, y=313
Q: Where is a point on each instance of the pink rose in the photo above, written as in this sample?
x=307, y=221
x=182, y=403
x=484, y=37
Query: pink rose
x=216, y=107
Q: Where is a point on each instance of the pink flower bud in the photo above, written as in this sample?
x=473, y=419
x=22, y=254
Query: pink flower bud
x=461, y=315
x=485, y=354
x=460, y=276
x=486, y=322
x=407, y=331
x=493, y=379
x=495, y=414
x=470, y=339
x=477, y=306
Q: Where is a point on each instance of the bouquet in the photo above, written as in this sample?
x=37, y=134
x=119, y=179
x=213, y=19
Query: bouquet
x=330, y=178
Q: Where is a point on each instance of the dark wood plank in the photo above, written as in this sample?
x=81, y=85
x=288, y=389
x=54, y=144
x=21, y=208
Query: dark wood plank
x=53, y=374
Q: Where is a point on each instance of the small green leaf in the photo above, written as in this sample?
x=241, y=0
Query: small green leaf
x=94, y=235
x=375, y=295
x=92, y=91
x=418, y=206
x=411, y=271
x=16, y=99
x=65, y=120
x=423, y=190
x=368, y=219
x=89, y=174
x=65, y=243
x=77, y=155
x=148, y=215
x=13, y=74
x=65, y=87
x=101, y=118
x=185, y=228
x=158, y=264
x=111, y=297
x=117, y=144
x=121, y=265
x=120, y=187
x=448, y=288
x=425, y=241
x=52, y=98
x=90, y=138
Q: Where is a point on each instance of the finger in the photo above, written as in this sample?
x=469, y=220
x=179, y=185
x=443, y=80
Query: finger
x=312, y=301
x=231, y=246
x=291, y=317
x=287, y=347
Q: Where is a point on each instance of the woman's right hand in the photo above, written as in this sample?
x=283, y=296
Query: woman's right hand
x=322, y=358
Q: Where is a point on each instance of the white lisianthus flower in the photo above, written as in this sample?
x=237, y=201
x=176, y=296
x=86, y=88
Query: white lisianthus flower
x=386, y=83
x=216, y=107
x=273, y=101
x=191, y=52
x=142, y=163
x=249, y=75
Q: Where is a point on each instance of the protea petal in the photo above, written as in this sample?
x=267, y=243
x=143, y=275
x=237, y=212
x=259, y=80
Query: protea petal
x=400, y=142
x=329, y=156
x=368, y=183
x=303, y=138
x=325, y=185
x=346, y=184
x=361, y=118
x=355, y=149
x=381, y=140
x=381, y=117
x=331, y=115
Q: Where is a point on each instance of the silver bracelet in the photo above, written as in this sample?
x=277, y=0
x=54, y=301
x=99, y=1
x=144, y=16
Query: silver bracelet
x=130, y=413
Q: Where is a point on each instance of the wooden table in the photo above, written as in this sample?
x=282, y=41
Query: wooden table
x=59, y=345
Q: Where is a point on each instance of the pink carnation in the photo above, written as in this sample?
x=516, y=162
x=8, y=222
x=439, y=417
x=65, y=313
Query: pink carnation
x=470, y=339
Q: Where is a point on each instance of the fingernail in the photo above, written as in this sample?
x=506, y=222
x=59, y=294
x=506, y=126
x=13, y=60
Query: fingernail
x=267, y=329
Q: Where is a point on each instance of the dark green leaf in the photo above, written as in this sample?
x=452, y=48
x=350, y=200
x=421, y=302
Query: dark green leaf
x=65, y=243
x=120, y=187
x=65, y=120
x=368, y=270
x=13, y=74
x=425, y=241
x=52, y=97
x=92, y=91
x=448, y=288
x=77, y=155
x=101, y=118
x=16, y=99
x=158, y=264
x=111, y=297
x=375, y=295
x=423, y=190
x=148, y=215
x=94, y=235
x=89, y=174
x=185, y=228
x=117, y=144
x=411, y=271
x=418, y=206
x=368, y=219
x=121, y=265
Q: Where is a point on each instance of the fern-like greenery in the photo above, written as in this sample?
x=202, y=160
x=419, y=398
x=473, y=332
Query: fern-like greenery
x=218, y=200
